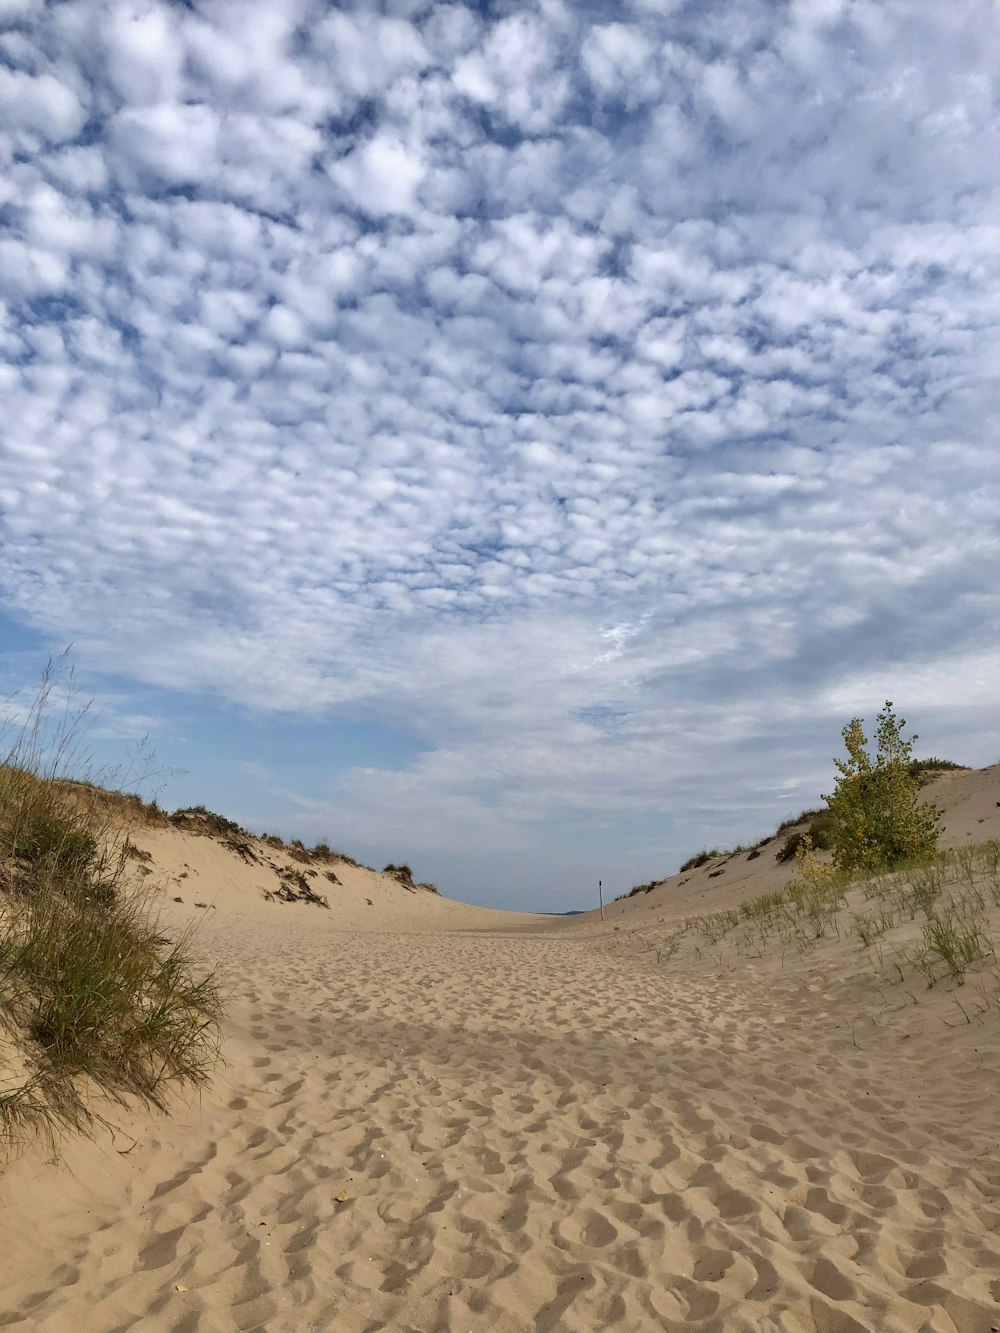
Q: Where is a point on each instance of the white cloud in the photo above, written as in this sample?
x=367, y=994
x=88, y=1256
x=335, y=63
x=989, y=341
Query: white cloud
x=516, y=73
x=79, y=170
x=381, y=177
x=370, y=52
x=620, y=62
x=145, y=52
x=39, y=106
x=169, y=141
x=581, y=391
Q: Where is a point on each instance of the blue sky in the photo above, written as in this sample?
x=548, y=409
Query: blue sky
x=512, y=438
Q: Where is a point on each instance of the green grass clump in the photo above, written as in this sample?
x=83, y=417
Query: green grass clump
x=934, y=765
x=101, y=996
x=819, y=831
x=956, y=938
x=800, y=818
x=636, y=889
x=700, y=859
x=93, y=997
x=206, y=821
x=335, y=854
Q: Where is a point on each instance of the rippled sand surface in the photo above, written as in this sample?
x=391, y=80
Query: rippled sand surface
x=528, y=1129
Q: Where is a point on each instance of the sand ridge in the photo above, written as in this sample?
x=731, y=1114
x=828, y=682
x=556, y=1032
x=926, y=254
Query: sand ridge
x=968, y=799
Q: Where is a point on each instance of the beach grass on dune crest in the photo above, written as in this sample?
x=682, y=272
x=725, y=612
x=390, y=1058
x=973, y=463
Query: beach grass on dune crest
x=96, y=1003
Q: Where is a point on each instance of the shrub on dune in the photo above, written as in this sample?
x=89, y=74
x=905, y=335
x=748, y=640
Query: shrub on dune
x=877, y=820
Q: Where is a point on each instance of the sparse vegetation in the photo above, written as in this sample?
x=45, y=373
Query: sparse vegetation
x=93, y=997
x=957, y=939
x=294, y=887
x=911, y=907
x=884, y=883
x=700, y=859
x=948, y=894
x=800, y=818
x=819, y=834
x=401, y=872
x=322, y=851
x=336, y=855
x=200, y=820
x=934, y=765
x=819, y=822
x=648, y=887
x=298, y=851
x=404, y=875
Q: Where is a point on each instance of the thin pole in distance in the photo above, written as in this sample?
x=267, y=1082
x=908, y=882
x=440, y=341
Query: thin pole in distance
x=600, y=897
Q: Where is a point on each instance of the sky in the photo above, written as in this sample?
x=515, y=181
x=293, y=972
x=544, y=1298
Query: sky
x=509, y=438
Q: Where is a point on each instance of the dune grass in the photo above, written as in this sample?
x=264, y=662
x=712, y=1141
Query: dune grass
x=97, y=1005
x=937, y=915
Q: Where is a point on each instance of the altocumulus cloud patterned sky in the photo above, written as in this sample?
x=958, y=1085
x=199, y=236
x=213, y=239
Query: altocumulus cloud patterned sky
x=514, y=437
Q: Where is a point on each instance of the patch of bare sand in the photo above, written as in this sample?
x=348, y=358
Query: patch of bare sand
x=490, y=1131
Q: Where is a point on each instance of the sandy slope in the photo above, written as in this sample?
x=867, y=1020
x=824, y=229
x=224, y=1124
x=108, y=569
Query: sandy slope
x=969, y=802
x=434, y=1119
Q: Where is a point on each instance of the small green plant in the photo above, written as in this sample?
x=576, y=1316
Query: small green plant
x=957, y=939
x=716, y=926
x=877, y=818
x=866, y=929
x=818, y=893
x=400, y=872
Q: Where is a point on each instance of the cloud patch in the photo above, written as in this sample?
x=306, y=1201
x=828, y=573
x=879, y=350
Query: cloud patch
x=590, y=389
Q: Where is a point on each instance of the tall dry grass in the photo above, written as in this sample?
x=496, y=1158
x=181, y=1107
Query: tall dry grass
x=97, y=1004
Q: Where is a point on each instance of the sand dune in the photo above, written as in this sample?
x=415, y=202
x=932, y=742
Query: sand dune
x=969, y=801
x=434, y=1118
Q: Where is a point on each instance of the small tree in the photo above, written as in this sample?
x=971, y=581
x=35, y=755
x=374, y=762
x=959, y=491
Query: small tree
x=877, y=816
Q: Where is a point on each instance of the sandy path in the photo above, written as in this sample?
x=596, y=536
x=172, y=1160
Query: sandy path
x=462, y=1132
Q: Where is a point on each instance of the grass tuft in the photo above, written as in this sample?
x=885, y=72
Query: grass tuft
x=701, y=858
x=94, y=998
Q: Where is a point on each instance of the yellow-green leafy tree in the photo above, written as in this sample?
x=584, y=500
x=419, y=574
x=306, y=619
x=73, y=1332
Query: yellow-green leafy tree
x=879, y=820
